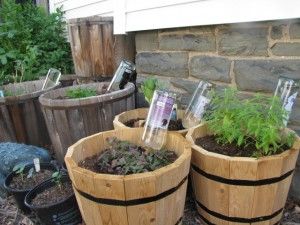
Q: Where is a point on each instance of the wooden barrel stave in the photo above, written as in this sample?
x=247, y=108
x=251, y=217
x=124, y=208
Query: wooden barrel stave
x=69, y=120
x=164, y=211
x=21, y=119
x=233, y=202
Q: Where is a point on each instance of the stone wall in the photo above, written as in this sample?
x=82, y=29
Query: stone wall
x=249, y=56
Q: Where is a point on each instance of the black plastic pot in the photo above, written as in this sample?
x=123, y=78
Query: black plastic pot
x=64, y=212
x=19, y=195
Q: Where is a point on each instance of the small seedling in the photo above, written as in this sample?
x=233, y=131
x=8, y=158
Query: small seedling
x=19, y=169
x=57, y=178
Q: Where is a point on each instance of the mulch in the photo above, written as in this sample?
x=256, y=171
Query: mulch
x=11, y=215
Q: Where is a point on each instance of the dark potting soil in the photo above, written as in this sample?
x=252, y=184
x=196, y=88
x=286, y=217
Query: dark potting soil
x=124, y=158
x=25, y=183
x=173, y=125
x=54, y=194
x=210, y=143
x=133, y=122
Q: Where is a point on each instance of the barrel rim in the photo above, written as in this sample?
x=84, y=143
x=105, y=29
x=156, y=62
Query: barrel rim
x=185, y=155
x=119, y=124
x=201, y=150
x=27, y=96
x=48, y=102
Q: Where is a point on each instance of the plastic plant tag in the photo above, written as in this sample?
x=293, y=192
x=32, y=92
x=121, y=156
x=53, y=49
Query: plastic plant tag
x=122, y=75
x=1, y=94
x=287, y=90
x=52, y=78
x=37, y=166
x=160, y=112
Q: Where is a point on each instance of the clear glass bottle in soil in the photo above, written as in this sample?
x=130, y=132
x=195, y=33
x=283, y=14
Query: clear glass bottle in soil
x=159, y=115
x=198, y=104
x=287, y=90
x=125, y=73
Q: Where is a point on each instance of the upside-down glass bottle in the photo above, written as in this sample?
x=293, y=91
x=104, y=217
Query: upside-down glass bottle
x=159, y=115
x=287, y=90
x=198, y=104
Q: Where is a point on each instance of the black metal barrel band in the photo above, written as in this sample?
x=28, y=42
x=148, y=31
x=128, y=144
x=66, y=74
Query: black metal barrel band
x=133, y=201
x=236, y=219
x=241, y=182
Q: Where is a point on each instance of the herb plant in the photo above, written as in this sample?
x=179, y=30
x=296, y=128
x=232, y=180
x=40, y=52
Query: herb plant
x=31, y=42
x=56, y=176
x=149, y=86
x=258, y=120
x=19, y=169
x=123, y=157
x=81, y=93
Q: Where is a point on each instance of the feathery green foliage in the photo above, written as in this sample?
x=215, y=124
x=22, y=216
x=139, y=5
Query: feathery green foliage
x=257, y=120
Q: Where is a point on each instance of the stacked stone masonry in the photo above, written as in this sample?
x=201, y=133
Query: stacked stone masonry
x=249, y=56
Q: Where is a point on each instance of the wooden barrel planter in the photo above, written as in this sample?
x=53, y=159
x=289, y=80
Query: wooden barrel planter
x=95, y=49
x=240, y=190
x=69, y=120
x=121, y=119
x=21, y=118
x=155, y=198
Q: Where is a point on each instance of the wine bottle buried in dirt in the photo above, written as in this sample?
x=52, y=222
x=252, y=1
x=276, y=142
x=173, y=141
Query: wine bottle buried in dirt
x=198, y=104
x=287, y=90
x=124, y=74
x=159, y=115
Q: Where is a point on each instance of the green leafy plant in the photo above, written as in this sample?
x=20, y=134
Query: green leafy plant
x=19, y=169
x=81, y=92
x=56, y=176
x=257, y=120
x=31, y=42
x=149, y=86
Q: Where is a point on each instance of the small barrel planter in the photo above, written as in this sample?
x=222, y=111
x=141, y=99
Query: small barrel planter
x=21, y=118
x=155, y=197
x=121, y=119
x=69, y=120
x=240, y=190
x=64, y=212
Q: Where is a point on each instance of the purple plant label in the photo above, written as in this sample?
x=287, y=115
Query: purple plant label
x=161, y=112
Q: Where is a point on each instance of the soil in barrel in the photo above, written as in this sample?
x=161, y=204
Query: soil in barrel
x=211, y=144
x=173, y=125
x=23, y=183
x=53, y=195
x=124, y=158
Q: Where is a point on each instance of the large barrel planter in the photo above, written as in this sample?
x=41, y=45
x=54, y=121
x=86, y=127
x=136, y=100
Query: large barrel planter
x=95, y=49
x=240, y=190
x=21, y=118
x=155, y=198
x=69, y=120
x=121, y=119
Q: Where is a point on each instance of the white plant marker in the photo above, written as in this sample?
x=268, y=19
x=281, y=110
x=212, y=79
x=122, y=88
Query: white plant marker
x=37, y=165
x=1, y=94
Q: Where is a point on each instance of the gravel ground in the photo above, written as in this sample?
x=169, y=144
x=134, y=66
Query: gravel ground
x=11, y=215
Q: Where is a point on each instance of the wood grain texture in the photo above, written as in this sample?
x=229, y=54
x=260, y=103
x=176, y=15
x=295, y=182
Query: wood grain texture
x=69, y=120
x=165, y=211
x=234, y=200
x=21, y=118
x=96, y=50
